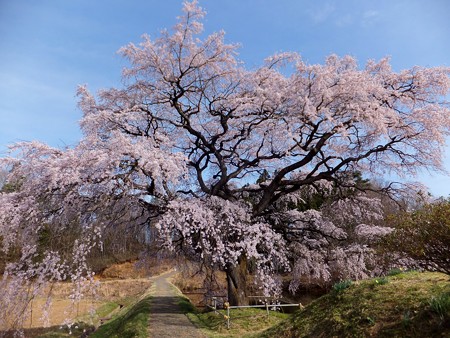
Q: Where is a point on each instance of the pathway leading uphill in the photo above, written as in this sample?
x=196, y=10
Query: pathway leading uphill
x=166, y=317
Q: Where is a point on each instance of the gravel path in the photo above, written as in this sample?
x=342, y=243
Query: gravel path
x=166, y=318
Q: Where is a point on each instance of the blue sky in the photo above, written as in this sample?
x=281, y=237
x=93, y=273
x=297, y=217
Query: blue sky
x=48, y=47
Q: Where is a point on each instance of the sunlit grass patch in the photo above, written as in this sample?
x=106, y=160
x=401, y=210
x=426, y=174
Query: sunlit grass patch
x=411, y=304
x=243, y=322
x=131, y=321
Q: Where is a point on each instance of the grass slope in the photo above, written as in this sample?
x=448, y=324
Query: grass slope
x=244, y=323
x=408, y=304
x=131, y=321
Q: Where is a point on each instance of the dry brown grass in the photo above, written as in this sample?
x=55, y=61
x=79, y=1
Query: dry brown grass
x=137, y=269
x=63, y=309
x=60, y=311
x=117, y=284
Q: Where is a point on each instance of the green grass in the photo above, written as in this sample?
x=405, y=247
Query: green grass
x=243, y=323
x=131, y=321
x=394, y=272
x=186, y=306
x=440, y=305
x=342, y=285
x=105, y=309
x=409, y=304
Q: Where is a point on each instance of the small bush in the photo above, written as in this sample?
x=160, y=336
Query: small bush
x=342, y=285
x=370, y=320
x=394, y=272
x=441, y=305
x=381, y=281
x=406, y=319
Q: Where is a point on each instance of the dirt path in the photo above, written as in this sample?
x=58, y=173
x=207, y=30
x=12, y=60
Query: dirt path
x=166, y=318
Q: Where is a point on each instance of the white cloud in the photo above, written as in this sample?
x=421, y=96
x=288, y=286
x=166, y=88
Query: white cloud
x=323, y=13
x=369, y=17
x=344, y=20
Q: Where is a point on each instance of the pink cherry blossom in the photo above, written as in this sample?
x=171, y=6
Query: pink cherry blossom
x=182, y=144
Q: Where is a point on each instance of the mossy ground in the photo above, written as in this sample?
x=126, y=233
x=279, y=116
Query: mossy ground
x=394, y=306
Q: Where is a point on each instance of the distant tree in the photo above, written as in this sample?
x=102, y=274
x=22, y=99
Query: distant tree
x=192, y=127
x=6, y=186
x=3, y=175
x=422, y=237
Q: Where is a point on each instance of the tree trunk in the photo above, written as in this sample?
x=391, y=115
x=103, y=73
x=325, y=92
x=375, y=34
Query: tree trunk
x=237, y=283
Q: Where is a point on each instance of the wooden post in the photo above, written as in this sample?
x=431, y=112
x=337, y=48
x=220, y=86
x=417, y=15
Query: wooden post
x=267, y=307
x=227, y=306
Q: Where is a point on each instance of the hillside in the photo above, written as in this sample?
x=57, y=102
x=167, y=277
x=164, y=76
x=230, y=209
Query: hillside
x=408, y=304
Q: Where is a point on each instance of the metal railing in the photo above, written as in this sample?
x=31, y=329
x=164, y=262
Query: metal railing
x=266, y=304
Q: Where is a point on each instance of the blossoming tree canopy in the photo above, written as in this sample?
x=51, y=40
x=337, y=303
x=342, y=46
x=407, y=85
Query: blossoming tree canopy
x=192, y=129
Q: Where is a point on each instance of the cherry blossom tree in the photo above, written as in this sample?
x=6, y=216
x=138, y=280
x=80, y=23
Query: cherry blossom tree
x=57, y=207
x=184, y=140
